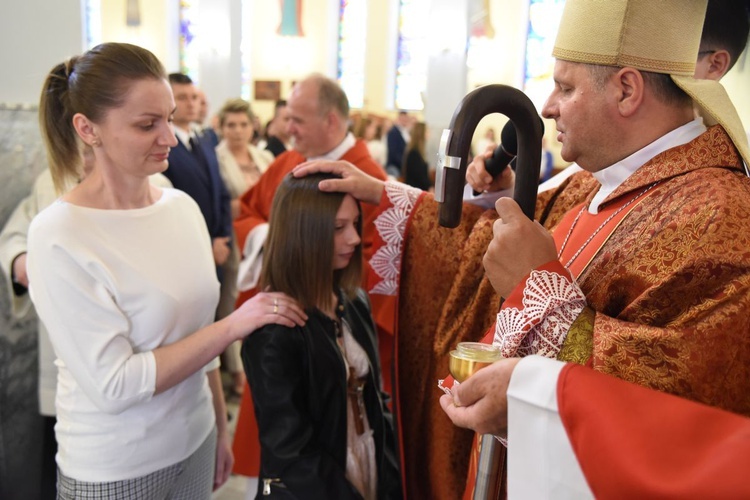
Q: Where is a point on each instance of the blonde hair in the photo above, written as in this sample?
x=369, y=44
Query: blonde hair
x=236, y=106
x=417, y=140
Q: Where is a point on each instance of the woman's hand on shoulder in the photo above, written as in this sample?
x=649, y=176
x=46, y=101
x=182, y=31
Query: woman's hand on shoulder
x=263, y=309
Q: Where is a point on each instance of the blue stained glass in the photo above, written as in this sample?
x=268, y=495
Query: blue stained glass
x=412, y=54
x=92, y=23
x=352, y=45
x=188, y=42
x=544, y=19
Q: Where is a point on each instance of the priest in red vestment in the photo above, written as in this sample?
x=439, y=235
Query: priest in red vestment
x=319, y=114
x=639, y=266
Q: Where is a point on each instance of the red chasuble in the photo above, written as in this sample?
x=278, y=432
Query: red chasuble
x=666, y=296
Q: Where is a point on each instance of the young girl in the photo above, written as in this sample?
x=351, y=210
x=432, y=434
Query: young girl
x=324, y=429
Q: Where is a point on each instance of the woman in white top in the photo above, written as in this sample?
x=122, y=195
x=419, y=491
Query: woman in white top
x=122, y=275
x=241, y=164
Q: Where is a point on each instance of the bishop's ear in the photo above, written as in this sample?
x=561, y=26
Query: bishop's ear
x=631, y=88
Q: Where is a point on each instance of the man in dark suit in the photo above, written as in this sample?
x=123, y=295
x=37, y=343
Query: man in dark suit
x=205, y=130
x=276, y=131
x=194, y=169
x=397, y=138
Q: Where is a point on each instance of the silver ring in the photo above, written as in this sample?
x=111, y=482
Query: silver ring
x=275, y=308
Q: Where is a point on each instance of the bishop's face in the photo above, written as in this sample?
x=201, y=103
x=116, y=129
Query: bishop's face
x=582, y=114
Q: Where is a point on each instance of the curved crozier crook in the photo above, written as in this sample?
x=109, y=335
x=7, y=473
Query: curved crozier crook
x=455, y=145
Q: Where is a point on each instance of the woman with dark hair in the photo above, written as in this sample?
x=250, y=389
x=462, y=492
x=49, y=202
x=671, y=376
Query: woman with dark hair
x=325, y=431
x=121, y=272
x=415, y=170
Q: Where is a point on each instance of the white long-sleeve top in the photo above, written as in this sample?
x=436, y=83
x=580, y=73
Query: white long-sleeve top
x=111, y=286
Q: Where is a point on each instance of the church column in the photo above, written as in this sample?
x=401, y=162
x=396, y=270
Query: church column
x=446, y=69
x=35, y=35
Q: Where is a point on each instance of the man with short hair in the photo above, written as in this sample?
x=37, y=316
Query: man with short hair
x=396, y=139
x=724, y=38
x=201, y=127
x=194, y=169
x=277, y=130
x=645, y=275
x=318, y=124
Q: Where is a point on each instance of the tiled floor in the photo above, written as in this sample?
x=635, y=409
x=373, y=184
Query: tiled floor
x=234, y=489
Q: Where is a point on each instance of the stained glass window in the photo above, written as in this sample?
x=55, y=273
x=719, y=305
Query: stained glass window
x=481, y=47
x=351, y=50
x=188, y=42
x=412, y=56
x=544, y=19
x=92, y=23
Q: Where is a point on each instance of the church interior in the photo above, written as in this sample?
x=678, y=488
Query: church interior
x=420, y=56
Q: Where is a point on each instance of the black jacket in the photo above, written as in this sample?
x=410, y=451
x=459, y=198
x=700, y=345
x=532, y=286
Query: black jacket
x=298, y=382
x=275, y=146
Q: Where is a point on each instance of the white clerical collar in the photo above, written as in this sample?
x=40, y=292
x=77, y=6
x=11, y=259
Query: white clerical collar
x=611, y=177
x=339, y=151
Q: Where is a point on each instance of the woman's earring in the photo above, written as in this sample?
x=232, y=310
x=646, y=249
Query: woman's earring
x=96, y=142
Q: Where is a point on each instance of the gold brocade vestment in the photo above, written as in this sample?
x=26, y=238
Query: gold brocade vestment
x=668, y=297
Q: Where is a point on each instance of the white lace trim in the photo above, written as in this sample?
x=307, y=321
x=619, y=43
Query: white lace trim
x=551, y=303
x=391, y=226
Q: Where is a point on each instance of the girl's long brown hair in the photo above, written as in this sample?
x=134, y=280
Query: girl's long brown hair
x=298, y=255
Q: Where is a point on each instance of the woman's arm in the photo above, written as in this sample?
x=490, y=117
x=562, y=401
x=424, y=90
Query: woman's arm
x=96, y=347
x=176, y=362
x=224, y=457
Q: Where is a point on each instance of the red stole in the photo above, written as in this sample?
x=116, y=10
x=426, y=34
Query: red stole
x=586, y=233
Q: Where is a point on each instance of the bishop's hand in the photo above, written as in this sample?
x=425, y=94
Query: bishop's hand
x=518, y=246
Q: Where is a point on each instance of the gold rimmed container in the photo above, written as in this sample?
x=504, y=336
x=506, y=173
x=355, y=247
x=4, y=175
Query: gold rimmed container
x=470, y=357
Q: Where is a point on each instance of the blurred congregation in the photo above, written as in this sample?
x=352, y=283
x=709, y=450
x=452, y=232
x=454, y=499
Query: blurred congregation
x=260, y=87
